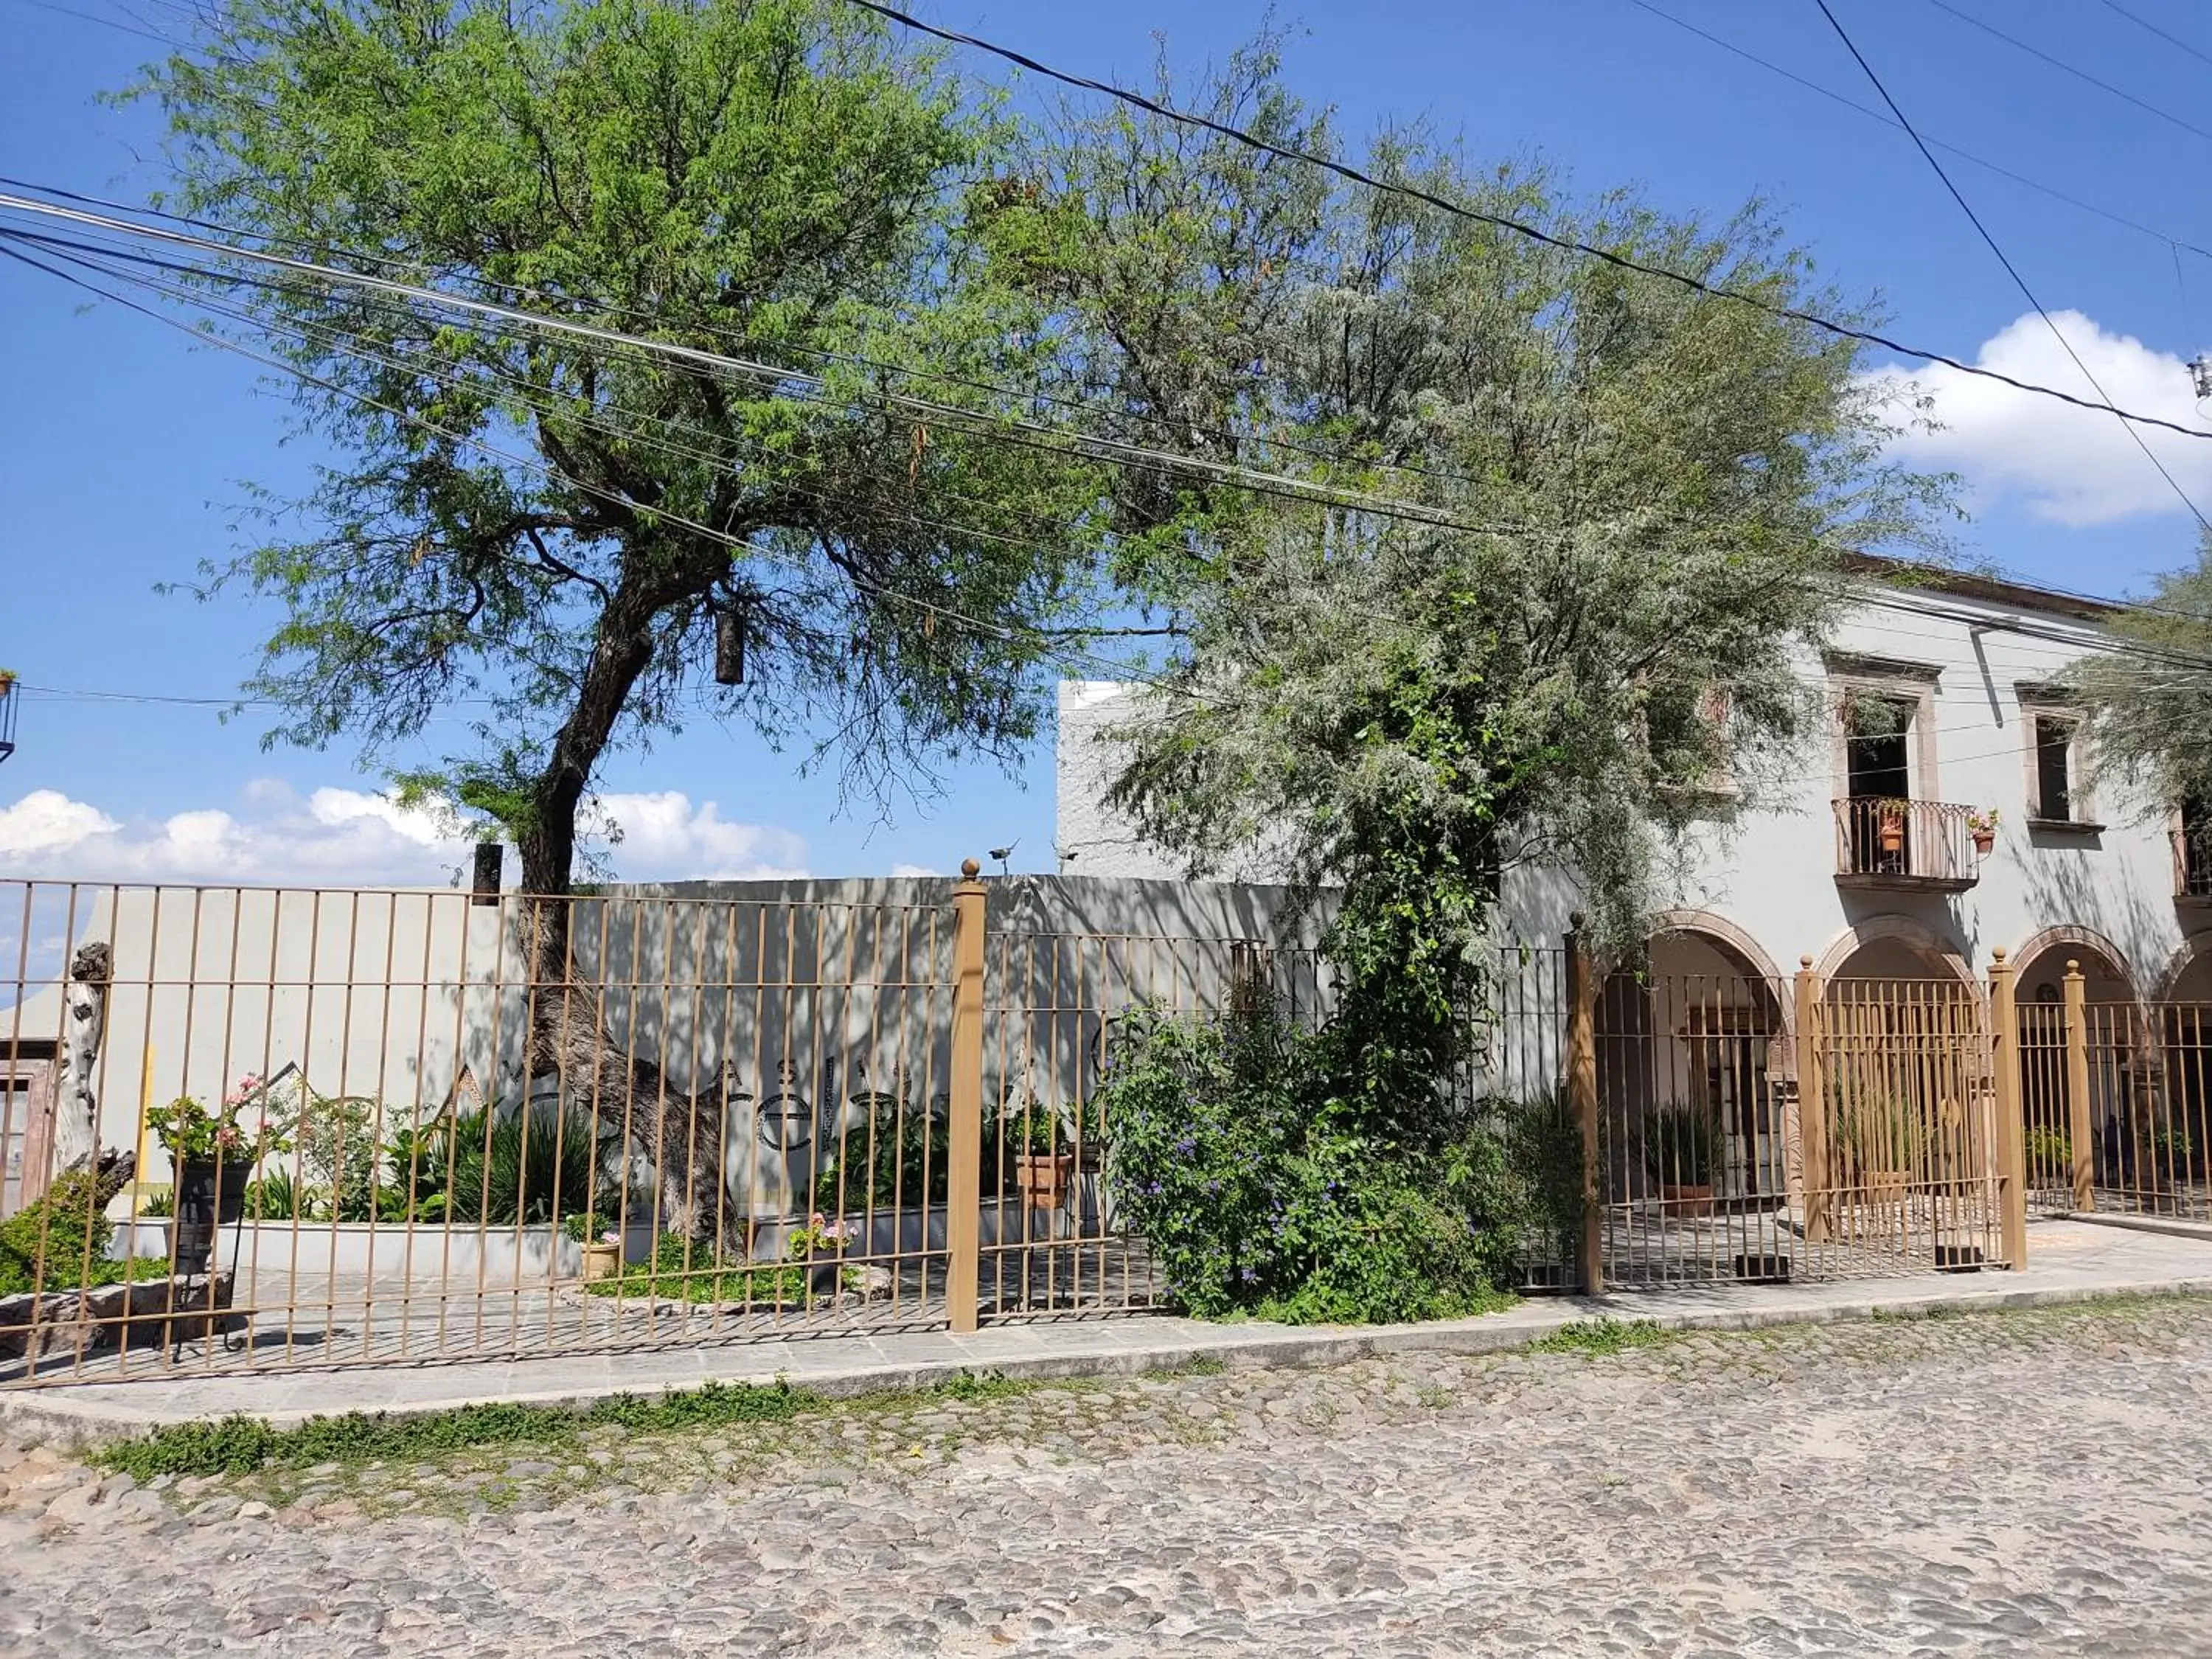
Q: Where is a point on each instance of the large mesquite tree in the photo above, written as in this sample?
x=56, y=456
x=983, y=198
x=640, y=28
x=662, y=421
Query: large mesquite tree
x=560, y=525
x=555, y=522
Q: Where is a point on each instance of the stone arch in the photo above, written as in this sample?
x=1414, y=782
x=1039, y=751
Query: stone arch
x=2073, y=937
x=1904, y=930
x=1736, y=944
x=2196, y=947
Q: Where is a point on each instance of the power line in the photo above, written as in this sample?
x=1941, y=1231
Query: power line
x=2060, y=64
x=1872, y=114
x=2171, y=39
x=1460, y=210
x=1251, y=478
x=2011, y=271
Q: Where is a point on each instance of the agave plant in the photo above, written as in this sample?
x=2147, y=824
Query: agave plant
x=1682, y=1145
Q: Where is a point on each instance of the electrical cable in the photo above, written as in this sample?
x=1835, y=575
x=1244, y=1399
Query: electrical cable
x=2011, y=271
x=2061, y=64
x=1565, y=245
x=2171, y=39
x=1874, y=114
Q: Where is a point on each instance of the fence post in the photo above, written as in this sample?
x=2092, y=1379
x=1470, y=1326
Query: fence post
x=1582, y=1095
x=2011, y=1138
x=1812, y=1106
x=2078, y=1135
x=963, y=1162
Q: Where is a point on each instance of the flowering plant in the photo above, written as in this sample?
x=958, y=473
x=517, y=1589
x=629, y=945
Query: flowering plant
x=1982, y=821
x=821, y=1236
x=190, y=1133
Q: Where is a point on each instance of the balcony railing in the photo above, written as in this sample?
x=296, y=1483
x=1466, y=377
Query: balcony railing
x=1883, y=842
x=2192, y=863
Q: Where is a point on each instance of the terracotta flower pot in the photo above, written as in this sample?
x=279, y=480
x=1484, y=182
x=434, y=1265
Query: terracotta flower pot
x=1891, y=835
x=1042, y=1178
x=601, y=1259
x=1983, y=841
x=1685, y=1201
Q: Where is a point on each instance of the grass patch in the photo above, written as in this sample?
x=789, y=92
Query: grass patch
x=1596, y=1336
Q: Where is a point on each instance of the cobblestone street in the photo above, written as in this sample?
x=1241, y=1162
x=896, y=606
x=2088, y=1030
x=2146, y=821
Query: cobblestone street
x=2004, y=1483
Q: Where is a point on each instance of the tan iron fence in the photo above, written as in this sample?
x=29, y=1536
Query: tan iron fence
x=2141, y=1121
x=380, y=1127
x=389, y=1126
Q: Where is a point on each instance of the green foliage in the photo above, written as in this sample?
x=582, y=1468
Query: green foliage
x=899, y=1158
x=2050, y=1151
x=240, y=1445
x=1542, y=1163
x=2148, y=734
x=46, y=1245
x=242, y=1130
x=273, y=1195
x=157, y=1206
x=521, y=1166
x=550, y=522
x=686, y=1270
x=1600, y=1336
x=1875, y=1130
x=1256, y=1194
x=1680, y=1145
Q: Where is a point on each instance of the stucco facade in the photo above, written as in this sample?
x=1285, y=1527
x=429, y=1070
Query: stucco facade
x=1967, y=666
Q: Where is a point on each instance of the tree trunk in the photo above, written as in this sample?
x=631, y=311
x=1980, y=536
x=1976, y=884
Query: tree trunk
x=84, y=1025
x=568, y=1036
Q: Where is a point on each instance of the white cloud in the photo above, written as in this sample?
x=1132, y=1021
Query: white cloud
x=352, y=837
x=2073, y=465
x=914, y=870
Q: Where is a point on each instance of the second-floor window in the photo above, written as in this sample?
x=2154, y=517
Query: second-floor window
x=2054, y=768
x=1875, y=750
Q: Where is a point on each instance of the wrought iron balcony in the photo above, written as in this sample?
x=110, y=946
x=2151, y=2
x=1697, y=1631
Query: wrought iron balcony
x=1923, y=845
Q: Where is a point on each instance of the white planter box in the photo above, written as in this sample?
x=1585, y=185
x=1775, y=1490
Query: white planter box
x=423, y=1254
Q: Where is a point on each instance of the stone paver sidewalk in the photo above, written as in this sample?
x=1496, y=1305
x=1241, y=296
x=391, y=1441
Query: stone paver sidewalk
x=2068, y=1260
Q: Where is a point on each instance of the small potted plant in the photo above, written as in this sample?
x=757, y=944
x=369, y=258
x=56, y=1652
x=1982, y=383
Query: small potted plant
x=1881, y=1142
x=820, y=1245
x=601, y=1242
x=214, y=1155
x=1681, y=1155
x=1981, y=825
x=1042, y=1157
x=1889, y=826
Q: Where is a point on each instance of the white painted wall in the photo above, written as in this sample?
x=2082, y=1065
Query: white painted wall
x=1773, y=875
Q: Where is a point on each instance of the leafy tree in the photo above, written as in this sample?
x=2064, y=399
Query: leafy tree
x=556, y=523
x=1615, y=510
x=2147, y=709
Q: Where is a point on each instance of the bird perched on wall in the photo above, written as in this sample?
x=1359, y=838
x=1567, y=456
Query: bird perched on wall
x=1002, y=854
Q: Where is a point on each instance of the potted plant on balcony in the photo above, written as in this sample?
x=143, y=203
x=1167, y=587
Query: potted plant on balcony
x=214, y=1154
x=1681, y=1155
x=1889, y=825
x=1981, y=825
x=6, y=681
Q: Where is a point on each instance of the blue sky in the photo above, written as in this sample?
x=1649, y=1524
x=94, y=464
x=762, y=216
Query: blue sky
x=122, y=445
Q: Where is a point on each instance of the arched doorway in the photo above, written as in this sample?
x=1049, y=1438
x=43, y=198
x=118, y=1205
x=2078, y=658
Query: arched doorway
x=1693, y=1050
x=2111, y=1037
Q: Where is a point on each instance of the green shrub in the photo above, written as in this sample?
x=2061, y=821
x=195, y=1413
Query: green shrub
x=686, y=1270
x=2050, y=1151
x=46, y=1245
x=1256, y=1194
x=518, y=1168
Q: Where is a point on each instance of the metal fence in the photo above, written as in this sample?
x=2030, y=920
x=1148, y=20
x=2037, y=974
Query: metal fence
x=383, y=1127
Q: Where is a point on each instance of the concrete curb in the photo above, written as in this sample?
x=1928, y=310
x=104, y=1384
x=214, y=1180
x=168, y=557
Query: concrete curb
x=53, y=1416
x=2168, y=1227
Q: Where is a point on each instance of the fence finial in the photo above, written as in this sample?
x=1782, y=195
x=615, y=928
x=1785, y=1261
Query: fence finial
x=1997, y=956
x=970, y=869
x=1806, y=961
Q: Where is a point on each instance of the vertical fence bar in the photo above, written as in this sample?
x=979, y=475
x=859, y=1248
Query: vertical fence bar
x=965, y=1152
x=1582, y=1090
x=2079, y=1136
x=2011, y=1139
x=1812, y=1107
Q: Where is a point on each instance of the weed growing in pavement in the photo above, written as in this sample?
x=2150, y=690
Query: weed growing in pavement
x=1596, y=1336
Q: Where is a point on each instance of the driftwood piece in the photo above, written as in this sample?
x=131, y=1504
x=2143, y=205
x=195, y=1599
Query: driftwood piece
x=142, y=1314
x=84, y=1025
